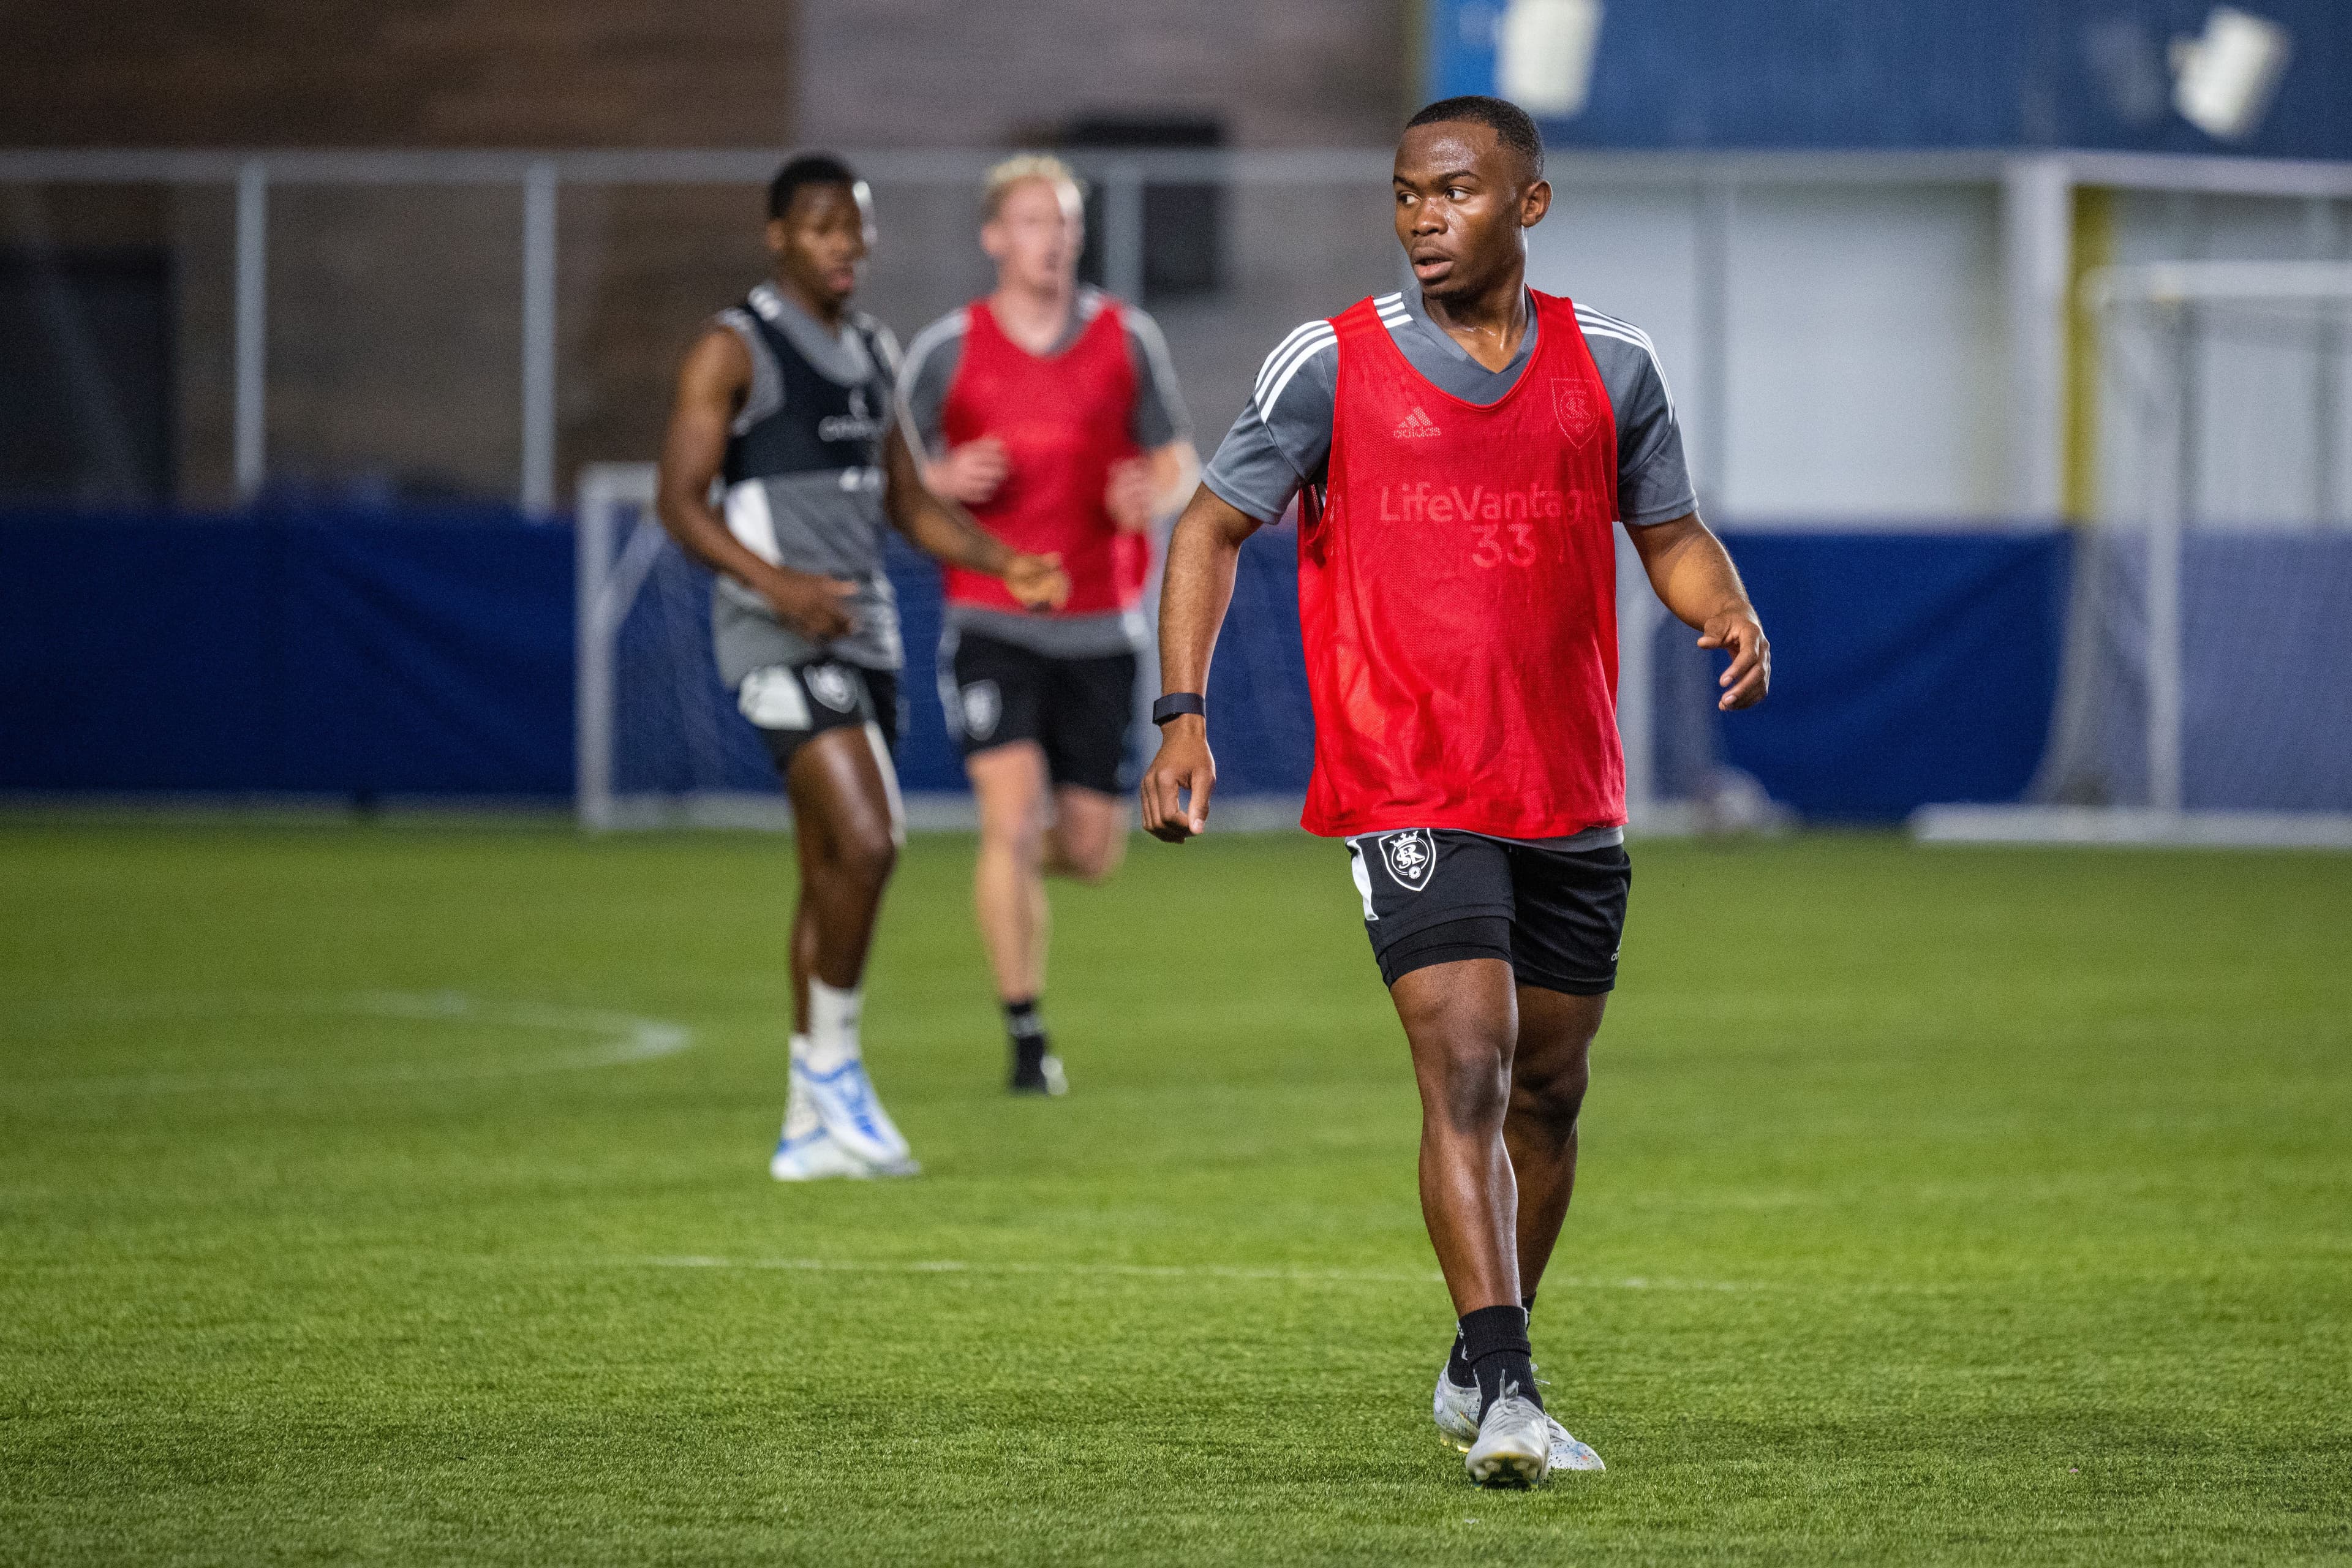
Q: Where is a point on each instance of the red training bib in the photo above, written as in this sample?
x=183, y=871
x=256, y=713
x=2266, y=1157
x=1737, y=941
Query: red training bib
x=1063, y=422
x=1457, y=597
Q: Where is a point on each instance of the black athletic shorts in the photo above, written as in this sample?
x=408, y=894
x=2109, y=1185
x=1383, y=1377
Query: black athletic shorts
x=1556, y=915
x=791, y=704
x=1080, y=710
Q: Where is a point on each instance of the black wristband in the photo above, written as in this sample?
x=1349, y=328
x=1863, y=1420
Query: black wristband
x=1178, y=702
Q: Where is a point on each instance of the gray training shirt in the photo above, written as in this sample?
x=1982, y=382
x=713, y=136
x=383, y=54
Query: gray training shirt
x=1282, y=442
x=803, y=481
x=1157, y=417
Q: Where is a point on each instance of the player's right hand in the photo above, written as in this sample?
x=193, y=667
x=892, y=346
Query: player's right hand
x=1184, y=767
x=971, y=473
x=816, y=607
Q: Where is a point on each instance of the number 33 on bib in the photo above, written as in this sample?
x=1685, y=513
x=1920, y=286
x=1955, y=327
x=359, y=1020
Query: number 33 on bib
x=1457, y=586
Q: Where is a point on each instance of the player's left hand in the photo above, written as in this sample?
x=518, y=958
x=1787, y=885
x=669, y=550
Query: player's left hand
x=1128, y=497
x=1038, y=582
x=1750, y=675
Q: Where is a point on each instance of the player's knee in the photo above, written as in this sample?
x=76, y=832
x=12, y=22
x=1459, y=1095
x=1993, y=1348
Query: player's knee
x=866, y=854
x=1471, y=1073
x=1553, y=1093
x=1092, y=862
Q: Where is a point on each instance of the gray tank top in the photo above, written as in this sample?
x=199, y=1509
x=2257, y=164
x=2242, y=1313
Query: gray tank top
x=803, y=481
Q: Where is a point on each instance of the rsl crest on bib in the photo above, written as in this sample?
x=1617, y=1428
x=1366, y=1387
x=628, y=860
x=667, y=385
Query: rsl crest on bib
x=1572, y=405
x=1411, y=857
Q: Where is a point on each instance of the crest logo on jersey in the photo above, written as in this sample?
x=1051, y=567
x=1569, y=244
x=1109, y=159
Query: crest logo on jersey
x=984, y=705
x=857, y=425
x=831, y=685
x=1572, y=405
x=1411, y=857
x=1416, y=424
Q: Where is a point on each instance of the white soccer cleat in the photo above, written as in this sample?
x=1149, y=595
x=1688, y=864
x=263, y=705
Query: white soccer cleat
x=805, y=1152
x=813, y=1157
x=1568, y=1452
x=1456, y=1410
x=852, y=1114
x=1514, y=1446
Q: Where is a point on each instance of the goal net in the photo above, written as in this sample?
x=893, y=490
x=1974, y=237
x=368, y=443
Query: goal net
x=2196, y=702
x=660, y=743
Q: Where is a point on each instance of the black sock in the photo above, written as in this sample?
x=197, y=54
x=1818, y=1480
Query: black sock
x=1457, y=1365
x=1493, y=1340
x=1028, y=1033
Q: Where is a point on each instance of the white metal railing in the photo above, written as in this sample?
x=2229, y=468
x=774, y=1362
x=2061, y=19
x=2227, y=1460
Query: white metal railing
x=2035, y=193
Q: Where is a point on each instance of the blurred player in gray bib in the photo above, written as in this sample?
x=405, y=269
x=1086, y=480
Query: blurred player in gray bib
x=783, y=414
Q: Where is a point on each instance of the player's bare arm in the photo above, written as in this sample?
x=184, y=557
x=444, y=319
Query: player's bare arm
x=1146, y=487
x=1201, y=558
x=1694, y=577
x=970, y=473
x=711, y=385
x=942, y=530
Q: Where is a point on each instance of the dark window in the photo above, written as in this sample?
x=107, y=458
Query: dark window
x=1184, y=224
x=86, y=342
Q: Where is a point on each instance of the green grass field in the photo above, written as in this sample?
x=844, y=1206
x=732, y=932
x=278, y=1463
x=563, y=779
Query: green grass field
x=398, y=1195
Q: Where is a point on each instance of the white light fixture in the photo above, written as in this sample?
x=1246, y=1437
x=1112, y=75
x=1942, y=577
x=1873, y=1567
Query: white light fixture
x=1543, y=54
x=2222, y=81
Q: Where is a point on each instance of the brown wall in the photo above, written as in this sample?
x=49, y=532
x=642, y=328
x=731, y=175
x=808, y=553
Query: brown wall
x=1281, y=73
x=410, y=73
x=395, y=333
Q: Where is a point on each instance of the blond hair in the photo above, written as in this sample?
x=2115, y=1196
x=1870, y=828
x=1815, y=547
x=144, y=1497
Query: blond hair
x=1018, y=170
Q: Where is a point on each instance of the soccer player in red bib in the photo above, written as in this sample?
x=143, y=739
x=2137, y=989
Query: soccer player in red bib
x=1052, y=412
x=1462, y=452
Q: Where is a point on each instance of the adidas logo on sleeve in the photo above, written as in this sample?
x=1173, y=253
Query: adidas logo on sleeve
x=1417, y=424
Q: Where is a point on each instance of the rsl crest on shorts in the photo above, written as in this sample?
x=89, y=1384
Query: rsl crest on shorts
x=1411, y=855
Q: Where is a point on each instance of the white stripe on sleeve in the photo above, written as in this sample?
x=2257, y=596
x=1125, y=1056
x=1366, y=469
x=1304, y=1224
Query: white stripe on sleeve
x=1279, y=357
x=1638, y=341
x=928, y=342
x=1316, y=345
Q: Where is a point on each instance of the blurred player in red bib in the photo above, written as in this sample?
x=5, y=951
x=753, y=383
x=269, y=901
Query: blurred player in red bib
x=1052, y=412
x=1462, y=452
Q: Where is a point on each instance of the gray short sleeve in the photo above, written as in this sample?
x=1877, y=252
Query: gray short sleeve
x=924, y=375
x=1653, y=482
x=1158, y=415
x=1282, y=441
x=886, y=349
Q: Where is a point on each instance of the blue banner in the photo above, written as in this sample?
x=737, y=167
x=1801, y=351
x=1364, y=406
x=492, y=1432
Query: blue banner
x=1845, y=74
x=365, y=656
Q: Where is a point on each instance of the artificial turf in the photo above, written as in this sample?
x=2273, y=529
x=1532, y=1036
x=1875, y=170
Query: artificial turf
x=1937, y=1204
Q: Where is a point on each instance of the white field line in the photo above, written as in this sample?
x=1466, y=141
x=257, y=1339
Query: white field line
x=1149, y=1271
x=622, y=1038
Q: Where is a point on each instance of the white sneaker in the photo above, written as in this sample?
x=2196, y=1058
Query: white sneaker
x=812, y=1157
x=1514, y=1446
x=1456, y=1411
x=846, y=1105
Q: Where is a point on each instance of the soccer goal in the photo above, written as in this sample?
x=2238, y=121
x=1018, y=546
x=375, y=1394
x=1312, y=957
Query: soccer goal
x=2199, y=704
x=660, y=743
